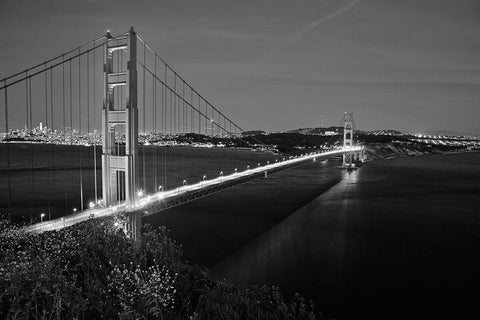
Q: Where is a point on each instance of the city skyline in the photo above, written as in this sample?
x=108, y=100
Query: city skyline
x=412, y=66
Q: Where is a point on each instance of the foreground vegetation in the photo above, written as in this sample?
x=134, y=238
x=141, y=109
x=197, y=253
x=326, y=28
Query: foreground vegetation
x=92, y=271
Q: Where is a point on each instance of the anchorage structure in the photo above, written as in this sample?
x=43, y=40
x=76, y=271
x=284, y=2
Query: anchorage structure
x=120, y=164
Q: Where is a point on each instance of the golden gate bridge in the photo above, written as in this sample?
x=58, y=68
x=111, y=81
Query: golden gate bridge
x=117, y=93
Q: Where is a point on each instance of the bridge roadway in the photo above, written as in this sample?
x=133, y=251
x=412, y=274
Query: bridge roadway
x=163, y=200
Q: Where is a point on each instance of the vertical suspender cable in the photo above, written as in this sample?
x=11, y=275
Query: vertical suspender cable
x=199, y=118
x=63, y=98
x=183, y=129
x=171, y=122
x=164, y=129
x=88, y=124
x=51, y=99
x=46, y=96
x=26, y=100
x=144, y=131
x=175, y=103
x=30, y=103
x=95, y=129
x=8, y=152
x=71, y=127
x=32, y=174
x=52, y=128
x=192, y=125
x=88, y=93
x=46, y=125
x=64, y=135
x=27, y=81
x=183, y=109
x=154, y=111
x=80, y=131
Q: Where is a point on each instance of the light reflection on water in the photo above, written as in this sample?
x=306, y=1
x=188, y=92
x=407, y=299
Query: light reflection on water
x=303, y=252
x=351, y=176
x=386, y=232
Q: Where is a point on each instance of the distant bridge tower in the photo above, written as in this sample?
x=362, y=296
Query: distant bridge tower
x=347, y=138
x=351, y=158
x=120, y=163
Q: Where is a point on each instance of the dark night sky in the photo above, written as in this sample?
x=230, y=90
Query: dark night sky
x=412, y=65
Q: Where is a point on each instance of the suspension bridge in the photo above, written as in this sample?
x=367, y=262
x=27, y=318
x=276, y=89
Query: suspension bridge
x=115, y=103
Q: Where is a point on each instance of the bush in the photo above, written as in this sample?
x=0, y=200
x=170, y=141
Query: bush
x=259, y=302
x=93, y=271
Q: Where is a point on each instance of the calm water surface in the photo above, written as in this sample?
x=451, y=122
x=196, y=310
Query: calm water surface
x=51, y=178
x=396, y=239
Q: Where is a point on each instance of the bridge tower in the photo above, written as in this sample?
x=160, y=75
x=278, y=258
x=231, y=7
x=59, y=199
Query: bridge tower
x=120, y=162
x=348, y=138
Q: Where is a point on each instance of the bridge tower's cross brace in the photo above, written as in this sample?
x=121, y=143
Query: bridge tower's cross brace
x=120, y=163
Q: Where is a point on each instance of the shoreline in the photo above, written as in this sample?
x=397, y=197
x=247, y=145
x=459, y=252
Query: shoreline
x=460, y=152
x=388, y=151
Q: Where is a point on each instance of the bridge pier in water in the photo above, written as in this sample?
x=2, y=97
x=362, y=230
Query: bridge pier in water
x=120, y=168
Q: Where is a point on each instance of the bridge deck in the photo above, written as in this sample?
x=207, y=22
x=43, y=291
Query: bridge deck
x=167, y=199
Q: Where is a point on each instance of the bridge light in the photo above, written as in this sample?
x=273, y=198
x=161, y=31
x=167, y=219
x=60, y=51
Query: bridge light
x=204, y=177
x=248, y=167
x=221, y=173
x=74, y=209
x=184, y=182
x=268, y=162
x=235, y=170
x=159, y=188
x=139, y=193
x=42, y=215
x=258, y=164
x=91, y=205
